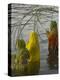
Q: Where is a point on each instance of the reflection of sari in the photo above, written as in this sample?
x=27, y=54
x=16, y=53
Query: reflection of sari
x=33, y=68
x=53, y=48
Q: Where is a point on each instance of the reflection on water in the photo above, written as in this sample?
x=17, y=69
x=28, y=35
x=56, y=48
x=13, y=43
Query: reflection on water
x=31, y=68
x=28, y=69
